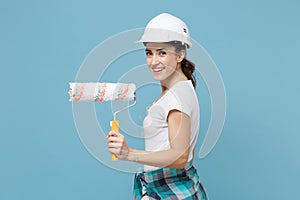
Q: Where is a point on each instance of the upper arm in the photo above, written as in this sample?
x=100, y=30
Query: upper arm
x=179, y=133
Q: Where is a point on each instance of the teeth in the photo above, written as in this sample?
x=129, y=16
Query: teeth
x=157, y=69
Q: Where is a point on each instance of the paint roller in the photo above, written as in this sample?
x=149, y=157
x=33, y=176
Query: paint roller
x=99, y=92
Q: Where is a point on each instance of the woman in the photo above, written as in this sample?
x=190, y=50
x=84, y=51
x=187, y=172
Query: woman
x=172, y=122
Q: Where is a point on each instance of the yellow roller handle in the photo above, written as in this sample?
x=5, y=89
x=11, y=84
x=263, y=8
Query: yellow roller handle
x=114, y=126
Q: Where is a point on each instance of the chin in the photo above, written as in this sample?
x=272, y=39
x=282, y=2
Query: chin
x=157, y=78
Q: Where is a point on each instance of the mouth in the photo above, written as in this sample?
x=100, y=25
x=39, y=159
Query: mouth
x=157, y=69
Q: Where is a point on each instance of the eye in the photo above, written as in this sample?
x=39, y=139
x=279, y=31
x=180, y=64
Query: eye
x=148, y=53
x=162, y=53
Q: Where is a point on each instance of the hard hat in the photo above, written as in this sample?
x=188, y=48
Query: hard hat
x=166, y=28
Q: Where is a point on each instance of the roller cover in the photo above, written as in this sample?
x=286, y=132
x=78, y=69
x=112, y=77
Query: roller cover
x=97, y=92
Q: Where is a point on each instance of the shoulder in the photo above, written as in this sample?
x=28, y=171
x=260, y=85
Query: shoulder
x=181, y=97
x=184, y=92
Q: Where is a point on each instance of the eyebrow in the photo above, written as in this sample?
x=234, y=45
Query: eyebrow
x=155, y=49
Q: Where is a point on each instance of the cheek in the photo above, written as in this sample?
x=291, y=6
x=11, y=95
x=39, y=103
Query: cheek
x=170, y=62
x=148, y=61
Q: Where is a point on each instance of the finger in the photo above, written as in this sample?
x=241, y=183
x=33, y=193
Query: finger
x=112, y=150
x=113, y=133
x=114, y=145
x=115, y=151
x=114, y=140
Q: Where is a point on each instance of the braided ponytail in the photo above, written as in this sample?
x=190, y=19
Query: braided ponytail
x=188, y=69
x=187, y=66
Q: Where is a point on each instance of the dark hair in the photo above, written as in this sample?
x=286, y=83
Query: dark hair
x=187, y=66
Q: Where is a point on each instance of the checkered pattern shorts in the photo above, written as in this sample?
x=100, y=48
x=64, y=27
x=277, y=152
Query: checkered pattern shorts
x=169, y=184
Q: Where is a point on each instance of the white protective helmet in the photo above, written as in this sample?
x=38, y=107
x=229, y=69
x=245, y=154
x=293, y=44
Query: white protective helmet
x=166, y=28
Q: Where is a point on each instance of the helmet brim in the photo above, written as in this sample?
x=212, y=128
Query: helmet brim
x=161, y=35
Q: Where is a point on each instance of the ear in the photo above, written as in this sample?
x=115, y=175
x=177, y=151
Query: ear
x=181, y=56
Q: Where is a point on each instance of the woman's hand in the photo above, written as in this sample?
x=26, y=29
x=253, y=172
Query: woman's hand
x=117, y=145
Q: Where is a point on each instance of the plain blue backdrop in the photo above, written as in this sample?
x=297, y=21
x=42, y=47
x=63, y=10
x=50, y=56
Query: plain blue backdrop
x=255, y=45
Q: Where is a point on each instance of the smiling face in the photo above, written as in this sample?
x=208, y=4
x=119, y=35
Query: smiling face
x=163, y=61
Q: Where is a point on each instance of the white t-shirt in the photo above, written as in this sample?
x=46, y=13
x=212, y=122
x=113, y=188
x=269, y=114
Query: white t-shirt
x=180, y=97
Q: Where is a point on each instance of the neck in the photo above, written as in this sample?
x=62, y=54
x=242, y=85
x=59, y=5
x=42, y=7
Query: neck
x=173, y=79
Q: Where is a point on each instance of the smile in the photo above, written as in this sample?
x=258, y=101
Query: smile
x=158, y=69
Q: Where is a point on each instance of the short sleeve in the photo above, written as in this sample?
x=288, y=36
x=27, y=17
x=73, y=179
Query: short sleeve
x=177, y=100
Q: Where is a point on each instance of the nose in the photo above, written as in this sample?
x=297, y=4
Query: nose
x=155, y=60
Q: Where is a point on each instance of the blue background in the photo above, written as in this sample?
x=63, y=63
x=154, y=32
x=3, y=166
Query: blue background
x=255, y=45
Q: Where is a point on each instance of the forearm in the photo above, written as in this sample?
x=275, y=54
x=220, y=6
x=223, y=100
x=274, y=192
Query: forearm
x=175, y=157
x=172, y=158
x=179, y=138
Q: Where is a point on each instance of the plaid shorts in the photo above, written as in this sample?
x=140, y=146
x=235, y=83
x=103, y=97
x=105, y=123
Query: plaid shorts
x=169, y=184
